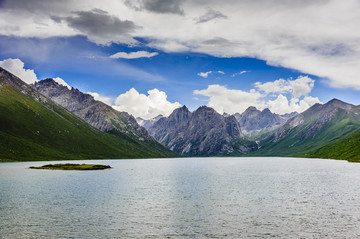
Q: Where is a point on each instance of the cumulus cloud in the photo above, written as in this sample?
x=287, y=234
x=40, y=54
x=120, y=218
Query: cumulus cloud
x=231, y=101
x=274, y=95
x=102, y=98
x=62, y=82
x=211, y=15
x=145, y=106
x=133, y=55
x=302, y=86
x=16, y=67
x=281, y=105
x=101, y=27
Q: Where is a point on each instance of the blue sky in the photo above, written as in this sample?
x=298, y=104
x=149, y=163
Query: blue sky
x=201, y=53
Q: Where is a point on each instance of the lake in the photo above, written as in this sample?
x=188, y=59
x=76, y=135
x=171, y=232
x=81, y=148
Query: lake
x=183, y=198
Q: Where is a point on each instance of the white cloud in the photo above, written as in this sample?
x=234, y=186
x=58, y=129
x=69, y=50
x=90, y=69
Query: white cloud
x=314, y=37
x=231, y=101
x=133, y=55
x=204, y=74
x=145, y=106
x=239, y=73
x=281, y=105
x=102, y=98
x=62, y=82
x=16, y=67
x=273, y=95
x=302, y=86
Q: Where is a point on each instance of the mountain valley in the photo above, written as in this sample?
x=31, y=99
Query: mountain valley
x=50, y=121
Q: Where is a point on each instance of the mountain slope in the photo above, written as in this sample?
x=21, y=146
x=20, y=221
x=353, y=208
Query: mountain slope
x=99, y=115
x=312, y=129
x=203, y=132
x=347, y=148
x=32, y=127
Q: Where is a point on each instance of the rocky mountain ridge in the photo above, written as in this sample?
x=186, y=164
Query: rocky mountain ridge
x=203, y=132
x=94, y=112
x=253, y=121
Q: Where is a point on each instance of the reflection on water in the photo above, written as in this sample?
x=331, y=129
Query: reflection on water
x=183, y=198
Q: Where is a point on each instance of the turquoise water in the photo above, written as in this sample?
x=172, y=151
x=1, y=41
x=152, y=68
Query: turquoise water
x=183, y=198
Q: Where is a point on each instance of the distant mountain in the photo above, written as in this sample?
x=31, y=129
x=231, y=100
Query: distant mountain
x=253, y=121
x=98, y=114
x=33, y=127
x=314, y=128
x=203, y=132
x=148, y=123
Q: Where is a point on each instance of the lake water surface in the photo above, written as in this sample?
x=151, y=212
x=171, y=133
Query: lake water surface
x=183, y=198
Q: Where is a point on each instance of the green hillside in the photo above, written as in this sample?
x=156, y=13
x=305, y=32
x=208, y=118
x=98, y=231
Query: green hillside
x=297, y=142
x=30, y=130
x=347, y=148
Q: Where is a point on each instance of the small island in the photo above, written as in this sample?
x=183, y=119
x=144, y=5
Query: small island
x=70, y=166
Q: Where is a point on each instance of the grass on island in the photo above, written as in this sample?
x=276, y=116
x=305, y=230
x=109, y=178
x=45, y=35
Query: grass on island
x=70, y=166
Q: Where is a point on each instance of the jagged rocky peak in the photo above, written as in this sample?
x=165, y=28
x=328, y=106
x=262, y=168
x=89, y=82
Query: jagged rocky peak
x=180, y=114
x=339, y=104
x=202, y=132
x=72, y=99
x=253, y=121
x=251, y=108
x=327, y=110
x=205, y=110
x=266, y=111
x=94, y=112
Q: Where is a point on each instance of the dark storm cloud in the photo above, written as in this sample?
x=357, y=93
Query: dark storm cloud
x=157, y=6
x=99, y=22
x=211, y=15
x=99, y=25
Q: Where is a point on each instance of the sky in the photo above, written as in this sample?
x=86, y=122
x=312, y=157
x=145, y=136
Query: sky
x=148, y=57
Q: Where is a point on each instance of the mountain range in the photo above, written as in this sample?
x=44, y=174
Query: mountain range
x=315, y=132
x=254, y=122
x=47, y=120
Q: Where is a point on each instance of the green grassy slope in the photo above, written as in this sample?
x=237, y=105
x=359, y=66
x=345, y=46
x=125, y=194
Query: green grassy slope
x=296, y=143
x=30, y=130
x=347, y=148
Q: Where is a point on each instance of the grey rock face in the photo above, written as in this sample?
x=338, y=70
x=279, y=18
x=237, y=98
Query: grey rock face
x=94, y=112
x=148, y=123
x=203, y=132
x=254, y=121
